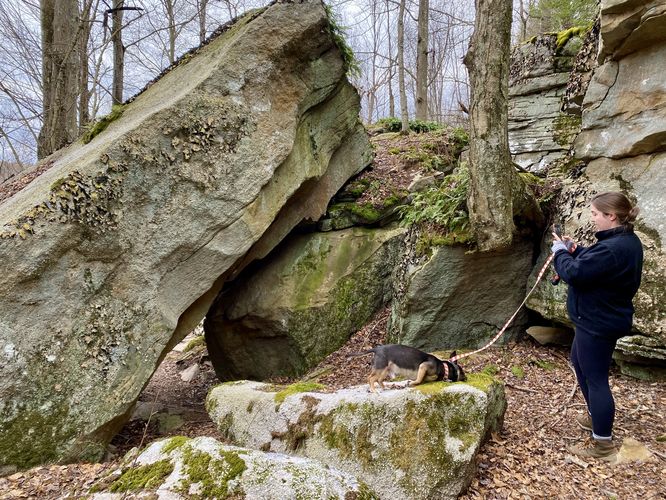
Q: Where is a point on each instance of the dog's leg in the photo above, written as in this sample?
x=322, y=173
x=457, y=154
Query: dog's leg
x=423, y=370
x=382, y=376
x=372, y=378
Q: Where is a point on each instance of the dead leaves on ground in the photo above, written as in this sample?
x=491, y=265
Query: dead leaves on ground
x=527, y=460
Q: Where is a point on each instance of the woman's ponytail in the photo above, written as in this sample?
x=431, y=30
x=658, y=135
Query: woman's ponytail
x=614, y=202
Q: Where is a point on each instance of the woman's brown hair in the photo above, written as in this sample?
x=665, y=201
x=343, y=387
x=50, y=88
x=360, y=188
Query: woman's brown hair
x=614, y=202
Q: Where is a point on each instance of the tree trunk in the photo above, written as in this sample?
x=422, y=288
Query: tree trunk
x=87, y=16
x=202, y=5
x=390, y=62
x=170, y=6
x=118, y=53
x=422, y=62
x=401, y=69
x=60, y=74
x=491, y=170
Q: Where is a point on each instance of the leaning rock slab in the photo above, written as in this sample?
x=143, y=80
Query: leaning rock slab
x=404, y=443
x=180, y=468
x=115, y=253
x=304, y=302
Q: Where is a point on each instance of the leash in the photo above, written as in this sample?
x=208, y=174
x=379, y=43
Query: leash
x=506, y=325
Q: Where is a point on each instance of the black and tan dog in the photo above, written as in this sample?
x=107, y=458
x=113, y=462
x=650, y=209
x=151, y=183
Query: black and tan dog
x=410, y=363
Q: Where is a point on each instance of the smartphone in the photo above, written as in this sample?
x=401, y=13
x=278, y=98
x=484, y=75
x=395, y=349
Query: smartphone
x=558, y=229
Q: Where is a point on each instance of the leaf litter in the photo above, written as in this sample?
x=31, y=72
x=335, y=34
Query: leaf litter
x=526, y=460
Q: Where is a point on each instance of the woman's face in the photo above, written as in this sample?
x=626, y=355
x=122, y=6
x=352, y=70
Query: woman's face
x=603, y=221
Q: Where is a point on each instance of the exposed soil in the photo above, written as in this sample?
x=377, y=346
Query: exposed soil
x=528, y=459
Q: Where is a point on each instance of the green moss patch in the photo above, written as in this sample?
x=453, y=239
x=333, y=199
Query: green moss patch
x=212, y=476
x=142, y=477
x=490, y=369
x=564, y=36
x=565, y=128
x=174, y=443
x=543, y=364
x=100, y=125
x=297, y=388
x=197, y=341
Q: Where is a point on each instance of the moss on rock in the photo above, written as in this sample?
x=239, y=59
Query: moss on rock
x=297, y=388
x=212, y=476
x=142, y=477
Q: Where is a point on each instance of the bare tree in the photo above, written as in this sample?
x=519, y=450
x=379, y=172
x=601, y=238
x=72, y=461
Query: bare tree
x=60, y=74
x=404, y=116
x=490, y=197
x=391, y=63
x=422, y=61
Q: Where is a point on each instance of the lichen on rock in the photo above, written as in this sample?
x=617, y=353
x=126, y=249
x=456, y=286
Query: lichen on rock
x=116, y=252
x=203, y=468
x=405, y=443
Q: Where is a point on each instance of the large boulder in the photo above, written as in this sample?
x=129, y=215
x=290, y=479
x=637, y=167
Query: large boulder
x=644, y=177
x=454, y=298
x=303, y=303
x=180, y=468
x=622, y=142
x=625, y=104
x=418, y=442
x=117, y=251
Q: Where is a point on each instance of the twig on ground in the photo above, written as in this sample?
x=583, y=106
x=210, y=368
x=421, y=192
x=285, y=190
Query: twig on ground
x=520, y=388
x=145, y=432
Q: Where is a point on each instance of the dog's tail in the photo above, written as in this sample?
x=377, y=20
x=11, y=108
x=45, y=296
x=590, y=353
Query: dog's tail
x=362, y=353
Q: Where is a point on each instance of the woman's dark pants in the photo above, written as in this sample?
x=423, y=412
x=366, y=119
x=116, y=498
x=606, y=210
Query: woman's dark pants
x=591, y=356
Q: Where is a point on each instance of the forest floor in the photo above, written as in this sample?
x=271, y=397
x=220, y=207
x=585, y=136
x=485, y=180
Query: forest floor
x=527, y=459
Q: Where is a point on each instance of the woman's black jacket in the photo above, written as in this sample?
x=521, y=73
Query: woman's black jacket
x=603, y=280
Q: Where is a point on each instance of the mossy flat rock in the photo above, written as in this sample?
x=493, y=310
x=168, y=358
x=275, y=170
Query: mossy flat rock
x=303, y=303
x=116, y=252
x=417, y=442
x=181, y=468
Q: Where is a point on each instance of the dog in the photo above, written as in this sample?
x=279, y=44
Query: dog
x=410, y=363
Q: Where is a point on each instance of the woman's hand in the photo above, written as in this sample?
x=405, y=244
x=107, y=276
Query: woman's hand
x=563, y=243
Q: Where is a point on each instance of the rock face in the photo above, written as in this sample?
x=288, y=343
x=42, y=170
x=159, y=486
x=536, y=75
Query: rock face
x=454, y=299
x=404, y=443
x=115, y=253
x=303, y=303
x=203, y=467
x=538, y=131
x=622, y=142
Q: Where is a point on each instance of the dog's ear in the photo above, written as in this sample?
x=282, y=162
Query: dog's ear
x=452, y=354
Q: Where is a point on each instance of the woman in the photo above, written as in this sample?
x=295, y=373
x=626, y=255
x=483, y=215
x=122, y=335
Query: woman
x=603, y=280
